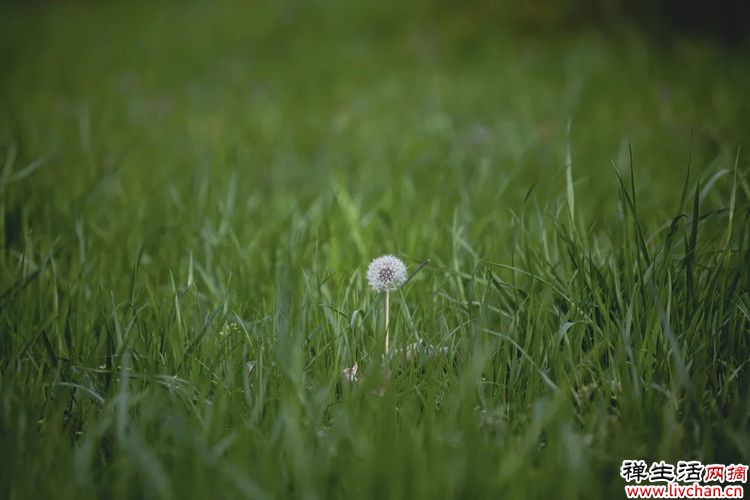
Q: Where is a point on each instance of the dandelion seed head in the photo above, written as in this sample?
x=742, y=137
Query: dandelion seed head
x=386, y=273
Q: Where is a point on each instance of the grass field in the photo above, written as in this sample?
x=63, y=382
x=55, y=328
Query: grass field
x=190, y=195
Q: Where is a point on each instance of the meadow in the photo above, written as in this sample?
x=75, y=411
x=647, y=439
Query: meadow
x=190, y=195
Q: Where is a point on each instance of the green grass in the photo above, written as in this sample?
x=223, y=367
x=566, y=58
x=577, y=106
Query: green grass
x=186, y=189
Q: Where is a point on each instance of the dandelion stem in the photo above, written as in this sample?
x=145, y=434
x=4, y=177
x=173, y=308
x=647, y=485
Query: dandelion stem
x=387, y=307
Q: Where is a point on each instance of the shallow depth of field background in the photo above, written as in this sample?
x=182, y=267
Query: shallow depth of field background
x=188, y=190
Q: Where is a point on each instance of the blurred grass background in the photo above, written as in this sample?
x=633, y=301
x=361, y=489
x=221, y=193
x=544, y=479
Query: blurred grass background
x=189, y=187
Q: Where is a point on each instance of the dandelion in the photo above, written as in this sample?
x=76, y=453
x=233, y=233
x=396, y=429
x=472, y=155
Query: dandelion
x=386, y=274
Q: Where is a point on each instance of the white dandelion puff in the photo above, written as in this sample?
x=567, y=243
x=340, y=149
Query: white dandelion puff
x=386, y=273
